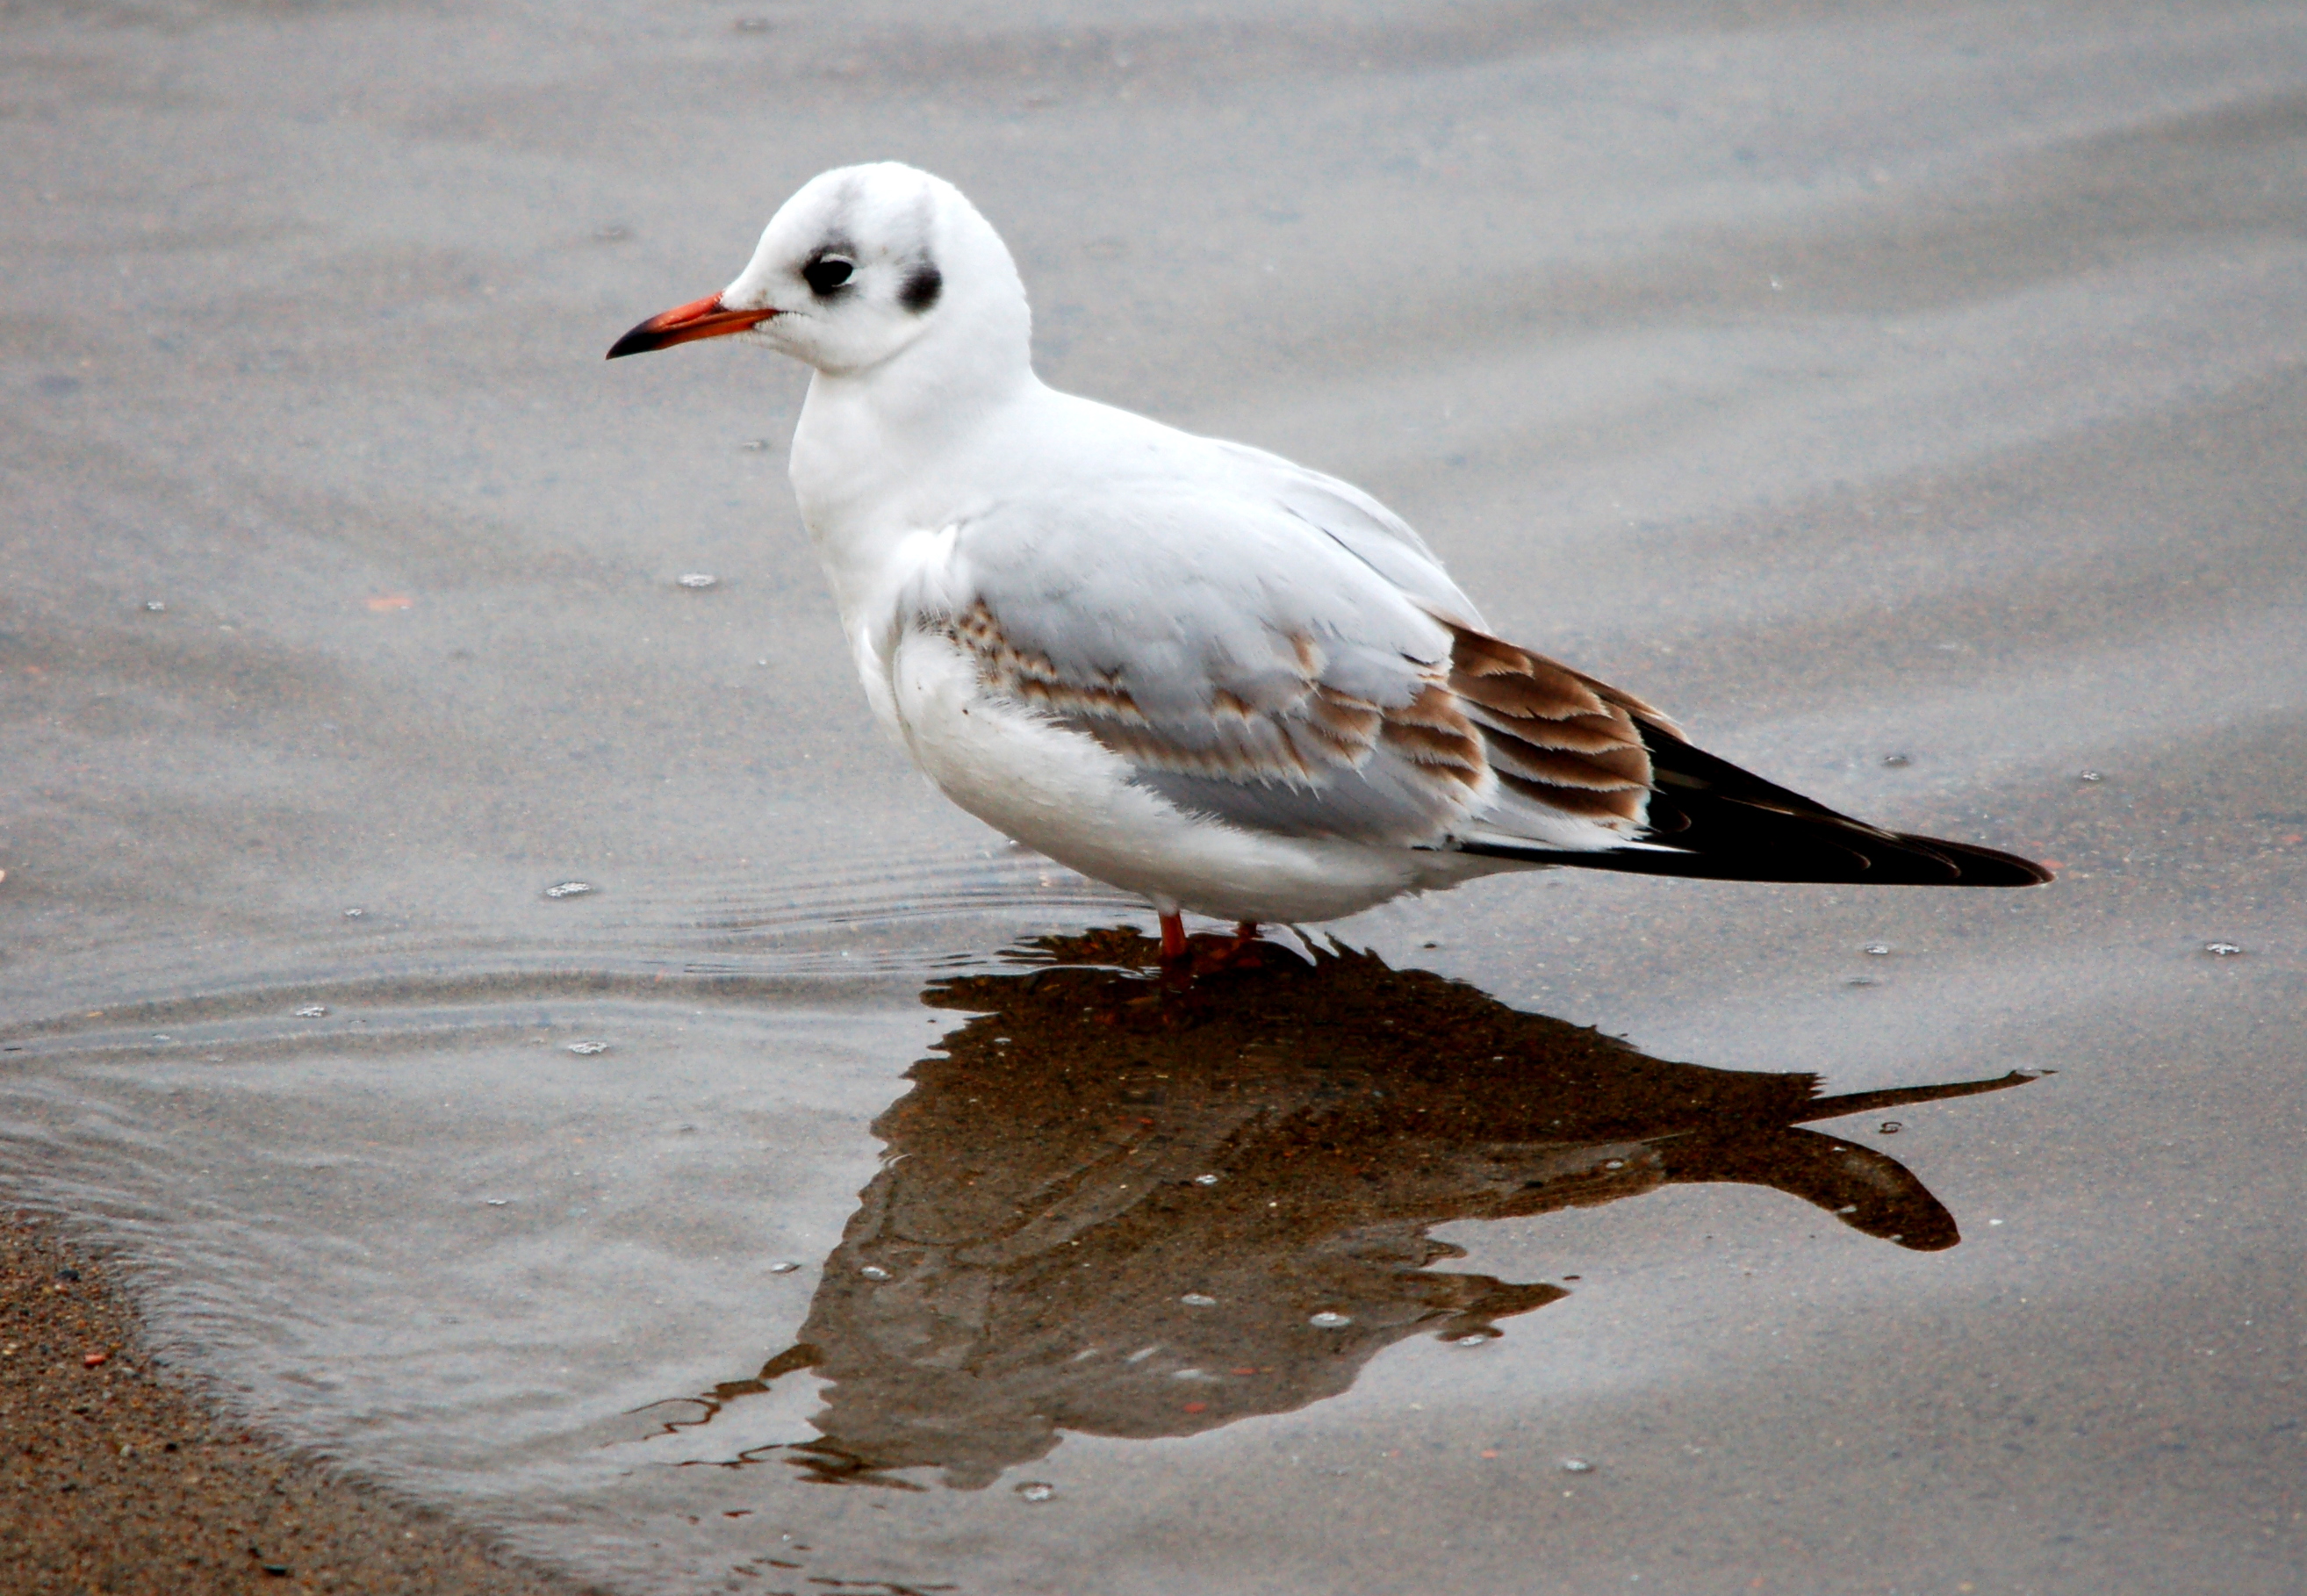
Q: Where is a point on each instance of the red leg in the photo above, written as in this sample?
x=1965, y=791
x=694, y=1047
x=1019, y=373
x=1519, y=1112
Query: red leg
x=1173, y=938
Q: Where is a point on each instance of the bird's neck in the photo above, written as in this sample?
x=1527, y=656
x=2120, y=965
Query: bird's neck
x=890, y=451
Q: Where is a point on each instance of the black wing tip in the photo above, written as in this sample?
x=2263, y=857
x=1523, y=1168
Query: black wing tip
x=1711, y=820
x=1832, y=860
x=1986, y=867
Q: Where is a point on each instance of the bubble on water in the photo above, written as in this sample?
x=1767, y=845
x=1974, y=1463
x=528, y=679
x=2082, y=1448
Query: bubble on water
x=1898, y=762
x=2090, y=776
x=2222, y=949
x=569, y=889
x=1477, y=1338
x=586, y=1049
x=1614, y=1163
x=1576, y=1465
x=1037, y=1490
x=312, y=1011
x=874, y=1272
x=355, y=914
x=755, y=445
x=158, y=1037
x=699, y=579
x=1197, y=1300
x=1327, y=1320
x=497, y=1202
x=1877, y=949
x=155, y=606
x=1862, y=981
x=784, y=1266
x=1891, y=1127
x=751, y=24
x=1205, y=1180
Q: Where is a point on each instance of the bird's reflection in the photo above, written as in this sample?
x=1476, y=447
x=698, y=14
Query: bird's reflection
x=1121, y=1209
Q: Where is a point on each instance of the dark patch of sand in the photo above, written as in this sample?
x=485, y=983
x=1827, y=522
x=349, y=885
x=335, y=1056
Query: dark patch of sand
x=114, y=1476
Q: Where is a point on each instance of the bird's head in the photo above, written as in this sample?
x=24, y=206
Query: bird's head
x=860, y=265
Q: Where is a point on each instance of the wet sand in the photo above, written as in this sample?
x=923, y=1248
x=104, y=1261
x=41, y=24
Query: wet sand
x=117, y=1475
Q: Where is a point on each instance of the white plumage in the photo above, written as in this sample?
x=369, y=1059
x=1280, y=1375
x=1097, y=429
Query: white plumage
x=1187, y=667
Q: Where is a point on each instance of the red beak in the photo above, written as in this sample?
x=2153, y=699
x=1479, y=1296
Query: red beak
x=686, y=324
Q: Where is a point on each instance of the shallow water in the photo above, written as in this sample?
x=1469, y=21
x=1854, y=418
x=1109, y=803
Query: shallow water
x=1911, y=399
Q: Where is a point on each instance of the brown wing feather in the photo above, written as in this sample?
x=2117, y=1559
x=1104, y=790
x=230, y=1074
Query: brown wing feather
x=1564, y=738
x=1549, y=734
x=1555, y=736
x=1296, y=728
x=1308, y=727
x=1434, y=732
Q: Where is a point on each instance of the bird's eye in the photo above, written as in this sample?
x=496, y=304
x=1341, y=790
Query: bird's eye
x=827, y=273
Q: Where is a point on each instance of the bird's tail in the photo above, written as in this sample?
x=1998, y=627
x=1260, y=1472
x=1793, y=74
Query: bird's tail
x=1708, y=818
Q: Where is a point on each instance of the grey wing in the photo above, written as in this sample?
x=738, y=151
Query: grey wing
x=1251, y=668
x=1359, y=524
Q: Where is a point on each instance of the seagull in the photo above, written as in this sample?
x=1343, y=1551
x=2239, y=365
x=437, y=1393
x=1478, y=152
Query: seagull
x=1183, y=666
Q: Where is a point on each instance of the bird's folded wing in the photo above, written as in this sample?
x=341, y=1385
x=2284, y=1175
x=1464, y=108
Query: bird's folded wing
x=1250, y=666
x=1355, y=522
x=1560, y=742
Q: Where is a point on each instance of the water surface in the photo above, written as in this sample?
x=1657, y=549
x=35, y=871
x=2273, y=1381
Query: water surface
x=1907, y=397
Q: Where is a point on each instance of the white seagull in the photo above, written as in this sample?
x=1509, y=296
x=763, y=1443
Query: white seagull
x=1185, y=666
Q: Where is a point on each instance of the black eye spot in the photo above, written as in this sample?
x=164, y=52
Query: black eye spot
x=923, y=286
x=827, y=273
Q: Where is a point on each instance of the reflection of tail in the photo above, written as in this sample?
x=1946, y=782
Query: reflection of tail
x=1857, y=1185
x=1860, y=1186
x=1709, y=818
